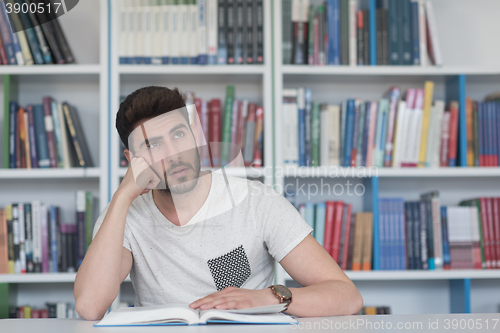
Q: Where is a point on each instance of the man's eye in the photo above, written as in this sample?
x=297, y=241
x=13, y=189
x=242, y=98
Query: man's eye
x=178, y=134
x=153, y=145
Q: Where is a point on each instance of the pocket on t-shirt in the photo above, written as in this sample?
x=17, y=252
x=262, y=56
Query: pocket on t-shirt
x=231, y=269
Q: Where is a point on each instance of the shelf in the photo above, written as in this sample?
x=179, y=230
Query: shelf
x=50, y=69
x=42, y=278
x=50, y=173
x=353, y=275
x=367, y=172
x=192, y=69
x=235, y=172
x=423, y=275
x=385, y=70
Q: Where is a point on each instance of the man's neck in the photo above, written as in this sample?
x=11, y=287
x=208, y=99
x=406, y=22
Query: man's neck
x=180, y=208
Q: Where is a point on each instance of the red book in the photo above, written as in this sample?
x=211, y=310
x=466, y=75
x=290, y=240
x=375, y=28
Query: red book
x=259, y=137
x=44, y=313
x=329, y=220
x=3, y=56
x=452, y=153
x=486, y=234
x=496, y=227
x=491, y=232
x=22, y=138
x=345, y=254
x=49, y=129
x=337, y=228
x=214, y=136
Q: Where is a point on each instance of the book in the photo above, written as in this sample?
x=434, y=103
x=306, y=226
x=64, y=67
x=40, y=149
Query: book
x=182, y=314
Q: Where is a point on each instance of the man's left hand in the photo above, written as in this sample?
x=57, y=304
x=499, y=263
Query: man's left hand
x=236, y=298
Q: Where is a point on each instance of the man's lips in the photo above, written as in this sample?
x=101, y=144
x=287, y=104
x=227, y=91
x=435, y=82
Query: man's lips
x=177, y=170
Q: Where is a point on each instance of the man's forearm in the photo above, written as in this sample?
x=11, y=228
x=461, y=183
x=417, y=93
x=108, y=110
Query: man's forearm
x=98, y=279
x=329, y=298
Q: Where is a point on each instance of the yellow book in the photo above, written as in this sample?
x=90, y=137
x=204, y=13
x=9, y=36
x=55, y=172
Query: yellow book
x=470, y=131
x=358, y=242
x=367, y=242
x=27, y=312
x=428, y=92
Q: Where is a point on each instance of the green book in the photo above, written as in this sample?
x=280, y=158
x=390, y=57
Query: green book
x=315, y=134
x=89, y=218
x=226, y=126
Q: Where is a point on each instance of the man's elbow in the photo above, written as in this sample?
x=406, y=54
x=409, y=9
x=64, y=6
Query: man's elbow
x=357, y=303
x=88, y=310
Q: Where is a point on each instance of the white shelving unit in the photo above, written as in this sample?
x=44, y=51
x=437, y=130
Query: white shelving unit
x=252, y=82
x=467, y=50
x=84, y=85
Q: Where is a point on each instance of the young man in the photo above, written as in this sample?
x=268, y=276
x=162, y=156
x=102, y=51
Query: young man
x=199, y=237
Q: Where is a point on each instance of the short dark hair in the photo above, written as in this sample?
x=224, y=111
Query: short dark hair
x=146, y=103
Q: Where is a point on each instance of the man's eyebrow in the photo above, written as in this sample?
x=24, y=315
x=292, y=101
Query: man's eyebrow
x=148, y=139
x=175, y=128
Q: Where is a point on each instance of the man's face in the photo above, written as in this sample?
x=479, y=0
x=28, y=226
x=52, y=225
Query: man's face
x=167, y=144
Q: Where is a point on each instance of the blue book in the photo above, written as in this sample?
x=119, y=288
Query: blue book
x=409, y=235
x=373, y=32
x=349, y=133
x=302, y=121
x=480, y=116
x=41, y=136
x=308, y=126
x=365, y=133
x=12, y=134
x=446, y=242
x=402, y=236
x=494, y=134
x=309, y=216
x=319, y=222
x=53, y=229
x=415, y=33
x=333, y=24
x=497, y=110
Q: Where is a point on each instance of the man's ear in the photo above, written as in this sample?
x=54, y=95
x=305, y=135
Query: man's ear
x=128, y=155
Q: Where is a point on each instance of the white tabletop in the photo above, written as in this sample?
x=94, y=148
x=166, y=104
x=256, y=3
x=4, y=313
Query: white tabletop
x=380, y=323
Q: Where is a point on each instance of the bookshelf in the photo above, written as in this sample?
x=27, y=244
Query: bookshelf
x=469, y=71
x=96, y=83
x=252, y=82
x=84, y=85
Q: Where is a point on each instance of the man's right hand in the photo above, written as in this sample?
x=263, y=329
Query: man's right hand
x=139, y=180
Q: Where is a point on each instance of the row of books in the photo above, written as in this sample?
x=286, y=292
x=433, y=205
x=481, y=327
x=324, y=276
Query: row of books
x=424, y=235
x=483, y=132
x=238, y=122
x=375, y=310
x=47, y=135
x=33, y=239
x=204, y=32
x=30, y=36
x=344, y=235
x=339, y=32
x=391, y=132
x=58, y=310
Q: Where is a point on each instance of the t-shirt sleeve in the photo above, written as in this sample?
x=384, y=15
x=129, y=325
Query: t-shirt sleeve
x=98, y=223
x=280, y=224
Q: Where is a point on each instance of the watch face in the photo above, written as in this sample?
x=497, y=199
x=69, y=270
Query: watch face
x=283, y=291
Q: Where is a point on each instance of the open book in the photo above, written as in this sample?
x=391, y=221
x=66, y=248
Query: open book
x=182, y=314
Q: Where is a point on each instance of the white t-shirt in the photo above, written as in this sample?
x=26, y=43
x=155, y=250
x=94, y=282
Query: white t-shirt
x=233, y=240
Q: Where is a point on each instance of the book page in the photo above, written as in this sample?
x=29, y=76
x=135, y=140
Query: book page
x=171, y=312
x=262, y=314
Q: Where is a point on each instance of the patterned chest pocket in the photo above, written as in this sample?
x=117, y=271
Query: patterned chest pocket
x=231, y=269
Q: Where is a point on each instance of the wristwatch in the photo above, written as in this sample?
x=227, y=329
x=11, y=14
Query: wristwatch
x=283, y=293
